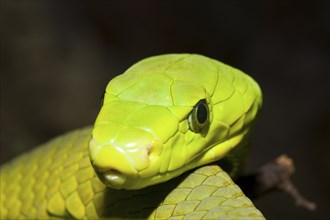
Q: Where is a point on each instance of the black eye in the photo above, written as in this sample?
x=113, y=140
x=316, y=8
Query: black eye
x=202, y=113
x=199, y=117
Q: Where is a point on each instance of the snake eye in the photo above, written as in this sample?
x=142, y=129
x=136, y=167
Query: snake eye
x=199, y=117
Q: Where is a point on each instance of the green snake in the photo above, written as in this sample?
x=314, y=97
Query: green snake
x=164, y=116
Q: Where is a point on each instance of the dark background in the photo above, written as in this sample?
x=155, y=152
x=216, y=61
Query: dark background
x=58, y=56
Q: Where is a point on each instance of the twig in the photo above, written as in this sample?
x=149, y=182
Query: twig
x=274, y=175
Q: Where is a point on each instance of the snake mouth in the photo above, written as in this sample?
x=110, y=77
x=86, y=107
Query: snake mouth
x=112, y=178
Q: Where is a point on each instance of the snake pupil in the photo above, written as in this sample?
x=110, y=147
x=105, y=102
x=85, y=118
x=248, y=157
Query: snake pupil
x=201, y=113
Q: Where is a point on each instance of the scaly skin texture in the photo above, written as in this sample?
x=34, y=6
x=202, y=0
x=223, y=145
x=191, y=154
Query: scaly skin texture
x=56, y=180
x=164, y=116
x=143, y=134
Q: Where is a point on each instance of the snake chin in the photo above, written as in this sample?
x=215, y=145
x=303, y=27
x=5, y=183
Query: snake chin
x=114, y=178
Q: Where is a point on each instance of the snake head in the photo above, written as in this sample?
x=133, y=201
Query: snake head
x=168, y=114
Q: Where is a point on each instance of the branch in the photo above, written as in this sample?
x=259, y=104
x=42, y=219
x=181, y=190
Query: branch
x=275, y=175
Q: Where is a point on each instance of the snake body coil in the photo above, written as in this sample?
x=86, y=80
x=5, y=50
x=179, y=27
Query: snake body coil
x=164, y=116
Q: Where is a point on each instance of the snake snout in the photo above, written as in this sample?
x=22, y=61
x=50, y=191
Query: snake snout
x=126, y=157
x=116, y=166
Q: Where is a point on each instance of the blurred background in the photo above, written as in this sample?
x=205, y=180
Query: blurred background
x=58, y=56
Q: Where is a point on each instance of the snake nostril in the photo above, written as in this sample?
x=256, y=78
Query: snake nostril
x=149, y=151
x=155, y=149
